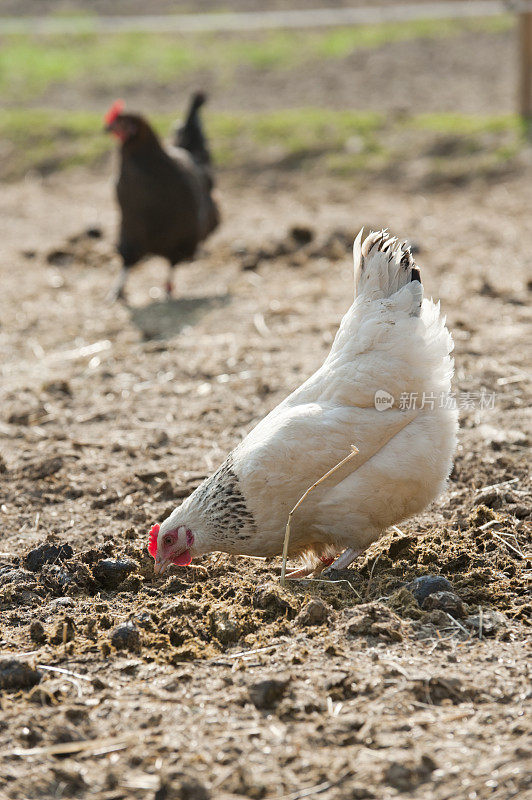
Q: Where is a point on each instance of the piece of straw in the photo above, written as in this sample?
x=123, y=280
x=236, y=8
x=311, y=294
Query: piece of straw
x=352, y=454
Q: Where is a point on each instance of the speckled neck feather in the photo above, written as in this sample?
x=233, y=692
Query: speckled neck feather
x=224, y=506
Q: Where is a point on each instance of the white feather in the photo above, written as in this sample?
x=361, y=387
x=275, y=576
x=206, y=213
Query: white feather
x=389, y=339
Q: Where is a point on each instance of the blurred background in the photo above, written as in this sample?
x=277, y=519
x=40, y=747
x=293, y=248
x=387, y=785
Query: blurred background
x=322, y=117
x=432, y=91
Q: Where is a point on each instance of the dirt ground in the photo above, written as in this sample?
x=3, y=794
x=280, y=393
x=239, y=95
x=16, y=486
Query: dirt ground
x=110, y=413
x=212, y=682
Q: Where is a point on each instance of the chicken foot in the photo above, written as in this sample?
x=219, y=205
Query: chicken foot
x=327, y=564
x=343, y=560
x=315, y=570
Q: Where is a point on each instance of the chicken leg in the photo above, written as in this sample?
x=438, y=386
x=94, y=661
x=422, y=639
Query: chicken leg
x=169, y=282
x=328, y=565
x=315, y=570
x=117, y=292
x=344, y=560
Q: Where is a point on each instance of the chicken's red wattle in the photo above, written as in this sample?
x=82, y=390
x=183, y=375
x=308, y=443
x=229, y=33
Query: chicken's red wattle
x=183, y=559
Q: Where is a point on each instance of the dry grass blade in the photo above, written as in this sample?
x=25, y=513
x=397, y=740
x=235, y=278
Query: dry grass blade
x=490, y=524
x=371, y=575
x=456, y=624
x=352, y=454
x=514, y=549
x=19, y=653
x=496, y=485
x=260, y=325
x=95, y=746
x=244, y=653
x=142, y=782
x=62, y=671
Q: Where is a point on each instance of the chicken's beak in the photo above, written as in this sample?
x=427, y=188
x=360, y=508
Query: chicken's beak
x=161, y=565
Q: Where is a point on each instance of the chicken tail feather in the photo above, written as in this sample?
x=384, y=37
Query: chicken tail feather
x=383, y=266
x=190, y=135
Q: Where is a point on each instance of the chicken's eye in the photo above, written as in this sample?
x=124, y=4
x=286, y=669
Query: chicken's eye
x=167, y=541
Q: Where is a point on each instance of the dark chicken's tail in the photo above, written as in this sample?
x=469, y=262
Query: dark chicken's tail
x=190, y=135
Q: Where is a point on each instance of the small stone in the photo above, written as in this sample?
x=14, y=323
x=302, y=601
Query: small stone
x=76, y=714
x=401, y=776
x=37, y=632
x=315, y=612
x=489, y=623
x=374, y=619
x=406, y=777
x=360, y=792
x=59, y=387
x=444, y=601
x=267, y=693
x=62, y=602
x=301, y=234
x=56, y=579
x=19, y=577
x=94, y=232
x=250, y=261
x=439, y=689
x=60, y=258
x=271, y=597
x=64, y=631
x=63, y=734
x=225, y=627
x=126, y=636
x=165, y=491
x=71, y=779
x=44, y=469
x=47, y=553
x=15, y=674
x=177, y=786
x=428, y=584
x=161, y=439
x=437, y=617
x=110, y=572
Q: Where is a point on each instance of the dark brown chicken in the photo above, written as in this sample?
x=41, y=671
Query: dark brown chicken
x=165, y=195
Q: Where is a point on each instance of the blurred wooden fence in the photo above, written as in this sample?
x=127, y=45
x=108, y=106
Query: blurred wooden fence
x=525, y=71
x=306, y=18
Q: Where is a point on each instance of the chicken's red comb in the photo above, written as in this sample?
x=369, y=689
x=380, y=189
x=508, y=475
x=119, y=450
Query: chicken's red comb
x=114, y=112
x=152, y=546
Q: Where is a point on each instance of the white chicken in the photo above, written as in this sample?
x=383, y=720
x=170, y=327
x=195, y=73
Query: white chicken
x=392, y=344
